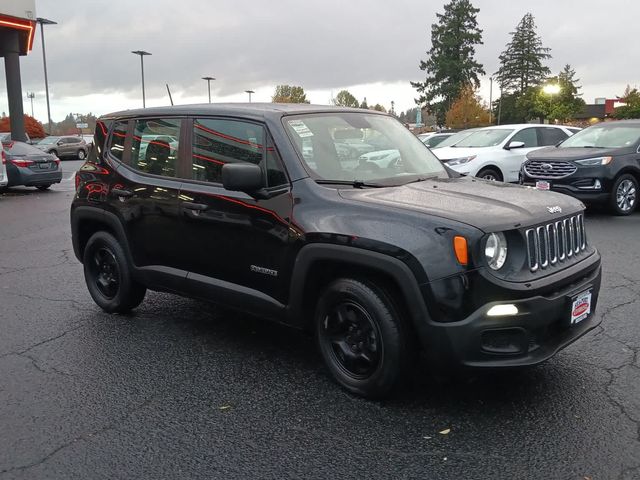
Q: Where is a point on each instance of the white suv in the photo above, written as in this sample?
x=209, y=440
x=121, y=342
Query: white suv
x=496, y=153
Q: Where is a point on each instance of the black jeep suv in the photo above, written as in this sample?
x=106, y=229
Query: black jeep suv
x=252, y=206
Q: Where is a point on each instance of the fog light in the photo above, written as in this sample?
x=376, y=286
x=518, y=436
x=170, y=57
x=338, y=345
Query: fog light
x=502, y=310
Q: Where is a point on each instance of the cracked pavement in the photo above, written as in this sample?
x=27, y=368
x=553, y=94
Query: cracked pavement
x=182, y=389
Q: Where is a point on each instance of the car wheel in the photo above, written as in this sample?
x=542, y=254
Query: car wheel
x=54, y=153
x=362, y=338
x=490, y=174
x=624, y=195
x=81, y=155
x=43, y=187
x=108, y=275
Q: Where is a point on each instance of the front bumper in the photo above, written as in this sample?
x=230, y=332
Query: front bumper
x=539, y=330
x=580, y=184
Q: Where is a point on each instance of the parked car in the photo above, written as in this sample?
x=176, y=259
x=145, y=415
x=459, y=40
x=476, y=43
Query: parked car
x=29, y=166
x=455, y=138
x=3, y=169
x=5, y=137
x=436, y=139
x=377, y=262
x=67, y=146
x=382, y=158
x=598, y=165
x=497, y=153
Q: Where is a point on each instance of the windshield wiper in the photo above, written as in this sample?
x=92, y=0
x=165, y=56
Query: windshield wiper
x=353, y=183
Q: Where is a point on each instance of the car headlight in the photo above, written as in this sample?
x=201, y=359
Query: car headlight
x=495, y=250
x=595, y=161
x=459, y=161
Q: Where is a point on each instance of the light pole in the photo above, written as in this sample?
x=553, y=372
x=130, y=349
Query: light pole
x=142, y=53
x=31, y=96
x=249, y=92
x=490, y=100
x=43, y=22
x=208, y=79
x=551, y=89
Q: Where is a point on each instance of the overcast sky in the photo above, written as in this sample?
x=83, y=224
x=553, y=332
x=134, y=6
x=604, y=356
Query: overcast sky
x=371, y=47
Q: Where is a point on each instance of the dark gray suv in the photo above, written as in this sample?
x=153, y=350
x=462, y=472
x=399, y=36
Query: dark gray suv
x=67, y=146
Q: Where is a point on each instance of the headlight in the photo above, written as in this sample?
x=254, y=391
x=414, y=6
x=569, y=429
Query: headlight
x=459, y=161
x=495, y=250
x=595, y=161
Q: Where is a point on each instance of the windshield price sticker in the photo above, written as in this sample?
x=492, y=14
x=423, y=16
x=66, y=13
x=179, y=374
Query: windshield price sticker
x=300, y=128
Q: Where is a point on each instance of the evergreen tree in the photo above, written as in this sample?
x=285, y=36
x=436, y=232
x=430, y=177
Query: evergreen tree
x=566, y=103
x=521, y=64
x=345, y=99
x=451, y=64
x=631, y=97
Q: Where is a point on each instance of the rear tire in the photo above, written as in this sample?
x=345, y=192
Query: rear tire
x=108, y=275
x=54, y=153
x=490, y=174
x=624, y=195
x=42, y=188
x=362, y=338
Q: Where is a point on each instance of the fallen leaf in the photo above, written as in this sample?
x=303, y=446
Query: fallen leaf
x=225, y=407
x=445, y=431
x=427, y=438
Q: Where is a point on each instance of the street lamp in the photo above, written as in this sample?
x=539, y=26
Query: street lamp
x=249, y=92
x=551, y=89
x=142, y=53
x=31, y=96
x=43, y=22
x=208, y=79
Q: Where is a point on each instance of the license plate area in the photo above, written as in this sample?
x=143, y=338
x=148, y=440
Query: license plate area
x=580, y=307
x=44, y=165
x=543, y=185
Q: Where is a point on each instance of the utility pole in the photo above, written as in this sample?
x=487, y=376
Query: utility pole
x=31, y=96
x=249, y=92
x=142, y=53
x=490, y=100
x=208, y=79
x=43, y=22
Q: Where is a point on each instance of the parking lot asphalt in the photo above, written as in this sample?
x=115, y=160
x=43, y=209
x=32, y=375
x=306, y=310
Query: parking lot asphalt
x=183, y=389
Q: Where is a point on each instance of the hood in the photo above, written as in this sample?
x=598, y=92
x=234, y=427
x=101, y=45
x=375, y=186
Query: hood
x=489, y=206
x=575, y=153
x=447, y=153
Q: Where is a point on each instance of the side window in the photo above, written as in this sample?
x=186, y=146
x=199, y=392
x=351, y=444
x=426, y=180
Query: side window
x=118, y=135
x=99, y=137
x=551, y=136
x=216, y=142
x=155, y=144
x=528, y=136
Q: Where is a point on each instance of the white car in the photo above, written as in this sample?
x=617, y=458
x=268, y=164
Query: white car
x=382, y=158
x=3, y=168
x=496, y=153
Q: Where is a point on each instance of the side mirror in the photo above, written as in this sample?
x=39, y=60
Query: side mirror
x=242, y=177
x=59, y=142
x=512, y=145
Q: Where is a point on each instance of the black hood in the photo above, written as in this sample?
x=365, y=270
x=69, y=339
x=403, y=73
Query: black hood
x=576, y=153
x=489, y=206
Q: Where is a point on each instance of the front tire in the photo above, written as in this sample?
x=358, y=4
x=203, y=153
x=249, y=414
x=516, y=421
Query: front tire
x=108, y=275
x=362, y=338
x=624, y=195
x=81, y=155
x=490, y=174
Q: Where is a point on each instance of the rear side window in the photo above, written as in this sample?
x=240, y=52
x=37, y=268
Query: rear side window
x=216, y=142
x=118, y=136
x=155, y=145
x=551, y=136
x=99, y=137
x=528, y=136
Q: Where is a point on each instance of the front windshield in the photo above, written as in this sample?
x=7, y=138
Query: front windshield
x=48, y=140
x=489, y=137
x=350, y=147
x=604, y=136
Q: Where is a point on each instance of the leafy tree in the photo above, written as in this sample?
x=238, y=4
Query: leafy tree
x=379, y=108
x=289, y=94
x=467, y=111
x=566, y=103
x=521, y=63
x=345, y=99
x=505, y=109
x=32, y=127
x=631, y=97
x=451, y=60
x=364, y=103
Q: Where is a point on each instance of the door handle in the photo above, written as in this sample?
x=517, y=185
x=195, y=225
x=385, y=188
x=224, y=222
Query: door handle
x=199, y=207
x=121, y=193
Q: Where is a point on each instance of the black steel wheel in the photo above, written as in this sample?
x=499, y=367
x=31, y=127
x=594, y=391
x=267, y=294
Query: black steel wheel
x=624, y=195
x=108, y=275
x=362, y=338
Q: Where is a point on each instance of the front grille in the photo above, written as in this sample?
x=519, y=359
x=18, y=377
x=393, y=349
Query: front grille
x=543, y=169
x=556, y=242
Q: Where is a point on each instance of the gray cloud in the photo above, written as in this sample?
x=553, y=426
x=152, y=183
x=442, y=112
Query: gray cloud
x=317, y=44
